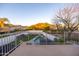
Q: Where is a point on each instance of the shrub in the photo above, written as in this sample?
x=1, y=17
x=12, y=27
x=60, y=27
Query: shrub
x=60, y=41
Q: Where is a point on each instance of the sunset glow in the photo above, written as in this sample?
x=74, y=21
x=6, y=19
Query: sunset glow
x=28, y=14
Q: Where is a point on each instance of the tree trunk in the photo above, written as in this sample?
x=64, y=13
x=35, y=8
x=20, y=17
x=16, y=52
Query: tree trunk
x=69, y=36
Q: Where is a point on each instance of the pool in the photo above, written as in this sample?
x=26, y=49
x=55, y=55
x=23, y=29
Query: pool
x=40, y=40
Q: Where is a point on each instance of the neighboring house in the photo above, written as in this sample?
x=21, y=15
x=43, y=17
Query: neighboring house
x=17, y=27
x=5, y=29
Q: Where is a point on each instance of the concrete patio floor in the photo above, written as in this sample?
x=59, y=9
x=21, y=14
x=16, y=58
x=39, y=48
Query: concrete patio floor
x=46, y=50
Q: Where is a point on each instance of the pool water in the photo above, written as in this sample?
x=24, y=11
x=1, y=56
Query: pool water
x=40, y=40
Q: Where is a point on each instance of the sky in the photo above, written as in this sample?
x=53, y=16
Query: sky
x=27, y=14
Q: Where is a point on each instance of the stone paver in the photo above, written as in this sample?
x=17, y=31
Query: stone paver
x=46, y=50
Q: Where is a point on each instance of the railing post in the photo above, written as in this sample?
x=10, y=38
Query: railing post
x=46, y=39
x=15, y=42
x=2, y=46
x=64, y=37
x=28, y=36
x=10, y=42
x=7, y=45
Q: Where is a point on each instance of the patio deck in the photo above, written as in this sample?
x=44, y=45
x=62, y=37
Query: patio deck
x=46, y=50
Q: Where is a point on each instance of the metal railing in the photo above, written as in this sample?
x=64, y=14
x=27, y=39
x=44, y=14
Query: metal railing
x=9, y=41
x=73, y=38
x=57, y=39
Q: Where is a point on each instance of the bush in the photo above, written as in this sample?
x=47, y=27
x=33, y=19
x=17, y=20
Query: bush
x=60, y=41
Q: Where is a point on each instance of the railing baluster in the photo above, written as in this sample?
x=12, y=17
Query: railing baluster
x=15, y=42
x=64, y=37
x=11, y=42
x=7, y=44
x=2, y=47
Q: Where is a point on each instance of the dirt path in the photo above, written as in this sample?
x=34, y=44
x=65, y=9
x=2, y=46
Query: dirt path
x=46, y=50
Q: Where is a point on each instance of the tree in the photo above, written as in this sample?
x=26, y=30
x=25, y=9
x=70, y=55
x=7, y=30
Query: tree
x=57, y=25
x=39, y=26
x=69, y=16
x=2, y=21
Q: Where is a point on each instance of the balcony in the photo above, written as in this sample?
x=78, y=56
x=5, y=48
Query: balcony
x=29, y=43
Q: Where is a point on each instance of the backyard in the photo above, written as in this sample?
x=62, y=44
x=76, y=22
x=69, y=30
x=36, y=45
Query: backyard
x=39, y=30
